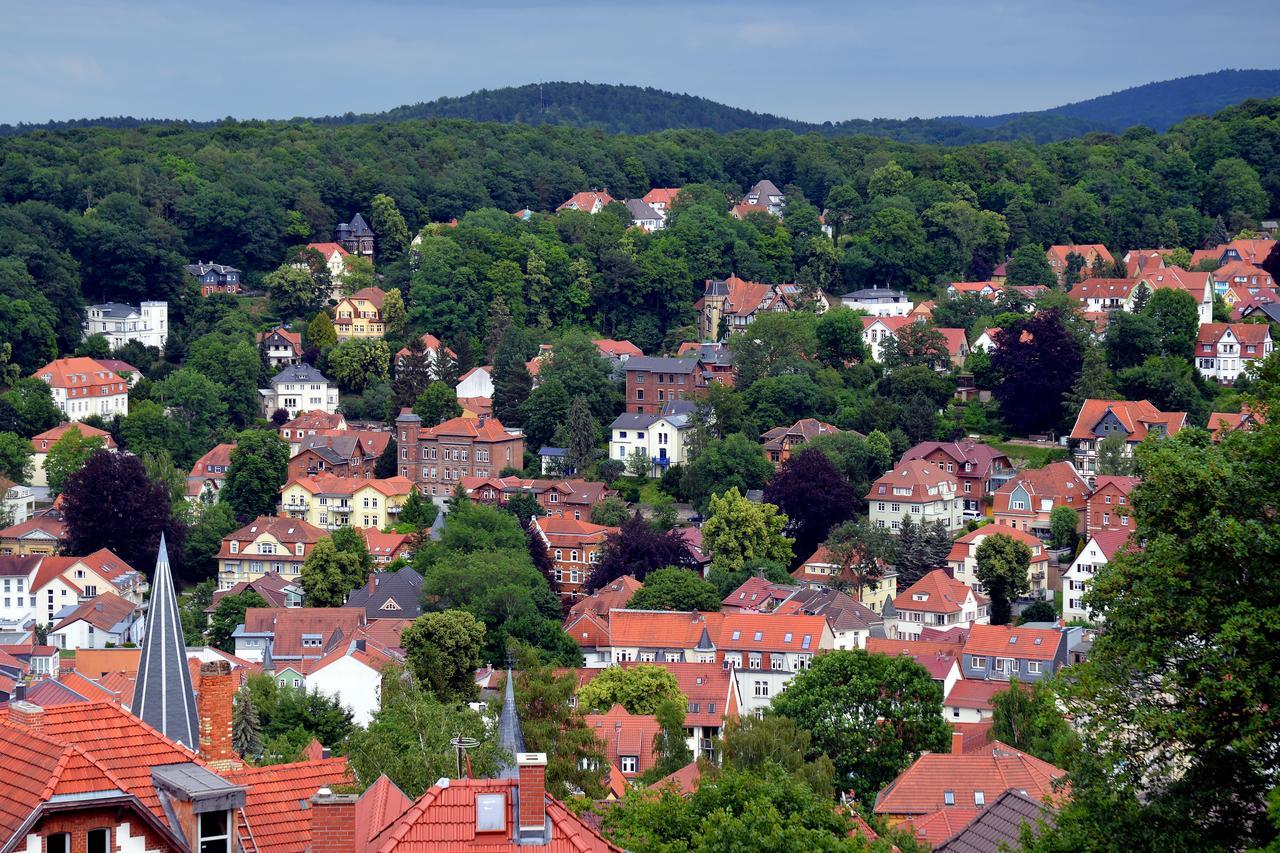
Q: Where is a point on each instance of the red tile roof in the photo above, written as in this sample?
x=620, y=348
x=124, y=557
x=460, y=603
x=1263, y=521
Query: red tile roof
x=610, y=347
x=378, y=807
x=42, y=442
x=1124, y=484
x=943, y=594
x=1248, y=334
x=586, y=201
x=82, y=377
x=1111, y=542
x=918, y=476
x=288, y=624
x=331, y=484
x=55, y=527
x=936, y=827
x=1008, y=641
x=588, y=629
x=559, y=530
x=314, y=419
x=661, y=195
x=914, y=648
x=327, y=249
x=287, y=531
x=276, y=800
x=920, y=789
x=671, y=629
x=623, y=733
x=771, y=632
x=103, y=612
x=614, y=595
x=1136, y=416
x=957, y=344
x=684, y=781
x=1057, y=481
x=491, y=430
x=1059, y=253
x=970, y=693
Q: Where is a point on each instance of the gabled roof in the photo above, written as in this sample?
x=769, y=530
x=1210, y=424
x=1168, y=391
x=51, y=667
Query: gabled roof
x=271, y=586
x=104, y=612
x=378, y=807
x=358, y=226
x=971, y=693
x=372, y=295
x=1103, y=288
x=314, y=419
x=284, y=530
x=980, y=455
x=1059, y=253
x=614, y=595
x=840, y=610
x=1007, y=641
x=1057, y=481
x=1135, y=416
x=325, y=483
x=328, y=249
x=918, y=476
x=756, y=593
x=803, y=430
x=38, y=527
x=1254, y=334
x=586, y=201
x=765, y=187
x=661, y=195
x=83, y=375
x=287, y=625
x=1111, y=542
x=999, y=826
x=771, y=632
x=403, y=588
x=935, y=827
x=623, y=733
x=491, y=429
x=662, y=628
x=640, y=211
x=277, y=800
x=163, y=696
x=942, y=594
x=16, y=566
x=610, y=347
x=1124, y=484
x=993, y=770
x=43, y=441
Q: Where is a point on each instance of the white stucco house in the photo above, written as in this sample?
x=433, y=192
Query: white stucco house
x=298, y=388
x=664, y=439
x=120, y=323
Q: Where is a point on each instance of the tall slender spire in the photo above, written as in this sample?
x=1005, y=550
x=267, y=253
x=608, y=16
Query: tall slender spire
x=163, y=697
x=510, y=737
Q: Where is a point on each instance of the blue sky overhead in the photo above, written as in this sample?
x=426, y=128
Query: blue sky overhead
x=806, y=59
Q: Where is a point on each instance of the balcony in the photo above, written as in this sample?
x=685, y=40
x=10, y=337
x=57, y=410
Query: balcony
x=661, y=461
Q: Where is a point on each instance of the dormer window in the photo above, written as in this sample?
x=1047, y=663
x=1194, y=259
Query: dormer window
x=919, y=596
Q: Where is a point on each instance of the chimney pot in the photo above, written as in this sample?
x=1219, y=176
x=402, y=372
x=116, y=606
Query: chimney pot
x=217, y=690
x=26, y=714
x=333, y=822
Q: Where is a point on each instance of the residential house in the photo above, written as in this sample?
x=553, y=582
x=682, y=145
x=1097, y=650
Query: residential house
x=43, y=534
x=731, y=305
x=574, y=548
x=1095, y=295
x=438, y=458
x=661, y=198
x=652, y=382
x=1139, y=262
x=1252, y=251
x=852, y=623
x=627, y=739
x=476, y=382
x=985, y=342
x=329, y=502
x=659, y=635
x=1099, y=550
x=780, y=442
x=1198, y=284
x=282, y=347
x=878, y=302
x=979, y=468
x=572, y=497
x=940, y=660
x=592, y=201
x=877, y=330
x=1225, y=350
x=431, y=349
x=1241, y=274
x=83, y=387
x=17, y=574
x=209, y=473
x=334, y=256
x=963, y=783
x=275, y=589
x=1000, y=826
x=313, y=422
x=988, y=290
x=102, y=621
x=712, y=694
x=921, y=489
x=1222, y=423
x=957, y=346
x=614, y=595
x=963, y=559
x=41, y=443
x=386, y=548
x=1108, y=505
x=360, y=315
x=822, y=570
x=389, y=595
x=1092, y=253
x=765, y=651
x=214, y=278
x=937, y=600
x=969, y=701
x=766, y=195
x=1001, y=652
x=756, y=595
x=267, y=544
x=663, y=439
x=351, y=674
x=62, y=582
x=1132, y=419
x=298, y=388
x=355, y=236
x=147, y=324
x=17, y=501
x=1028, y=500
x=294, y=636
x=643, y=216
x=342, y=453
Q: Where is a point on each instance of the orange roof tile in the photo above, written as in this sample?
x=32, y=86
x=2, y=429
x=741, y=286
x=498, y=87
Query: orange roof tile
x=616, y=594
x=378, y=807
x=672, y=629
x=82, y=377
x=1136, y=416
x=491, y=430
x=934, y=828
x=42, y=442
x=943, y=594
x=276, y=800
x=921, y=788
x=919, y=476
x=771, y=632
x=1008, y=641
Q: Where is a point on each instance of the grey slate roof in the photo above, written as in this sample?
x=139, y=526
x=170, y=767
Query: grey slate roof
x=999, y=824
x=359, y=227
x=875, y=293
x=633, y=420
x=660, y=364
x=679, y=407
x=639, y=210
x=554, y=452
x=117, y=310
x=200, y=268
x=163, y=697
x=403, y=586
x=764, y=188
x=510, y=736
x=298, y=373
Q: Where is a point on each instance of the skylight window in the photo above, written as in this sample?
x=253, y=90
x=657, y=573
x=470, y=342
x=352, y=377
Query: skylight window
x=491, y=812
x=805, y=642
x=786, y=638
x=759, y=636
x=737, y=634
x=949, y=798
x=1013, y=638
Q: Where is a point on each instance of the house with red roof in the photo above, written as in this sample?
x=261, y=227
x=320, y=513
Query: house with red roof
x=571, y=497
x=1254, y=251
x=1001, y=652
x=1028, y=500
x=1225, y=350
x=663, y=635
x=83, y=387
x=282, y=346
x=661, y=198
x=980, y=468
x=963, y=559
x=295, y=636
x=209, y=473
x=962, y=784
x=1101, y=548
x=274, y=588
x=1092, y=253
x=351, y=673
x=920, y=489
x=941, y=660
x=937, y=600
x=1132, y=419
x=822, y=569
x=1241, y=274
x=756, y=595
x=781, y=442
x=1198, y=284
x=341, y=453
x=878, y=329
x=437, y=458
x=1222, y=423
x=360, y=314
x=591, y=201
x=41, y=443
x=335, y=257
x=614, y=595
x=988, y=290
x=1096, y=295
x=628, y=739
x=266, y=544
x=574, y=548
x=98, y=622
x=970, y=701
x=432, y=347
x=765, y=651
x=1108, y=505
x=732, y=304
x=310, y=422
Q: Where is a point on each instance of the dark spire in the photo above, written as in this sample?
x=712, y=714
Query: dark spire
x=510, y=737
x=163, y=697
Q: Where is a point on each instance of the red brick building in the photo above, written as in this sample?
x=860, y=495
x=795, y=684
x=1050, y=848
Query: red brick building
x=1108, y=508
x=572, y=497
x=438, y=458
x=652, y=382
x=574, y=548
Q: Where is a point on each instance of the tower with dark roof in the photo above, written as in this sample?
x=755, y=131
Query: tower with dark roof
x=355, y=236
x=163, y=697
x=510, y=737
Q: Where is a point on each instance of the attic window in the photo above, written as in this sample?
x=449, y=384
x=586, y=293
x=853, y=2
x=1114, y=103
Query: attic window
x=736, y=634
x=759, y=636
x=979, y=798
x=311, y=640
x=1037, y=641
x=491, y=812
x=804, y=644
x=786, y=638
x=1013, y=638
x=949, y=798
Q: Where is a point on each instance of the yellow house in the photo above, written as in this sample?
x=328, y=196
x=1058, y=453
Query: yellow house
x=330, y=502
x=360, y=315
x=822, y=569
x=267, y=544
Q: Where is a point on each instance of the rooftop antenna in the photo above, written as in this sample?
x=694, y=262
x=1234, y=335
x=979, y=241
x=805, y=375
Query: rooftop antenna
x=460, y=745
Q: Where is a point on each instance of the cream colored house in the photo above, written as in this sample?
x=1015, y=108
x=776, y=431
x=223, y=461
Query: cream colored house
x=360, y=315
x=267, y=544
x=919, y=489
x=664, y=439
x=330, y=502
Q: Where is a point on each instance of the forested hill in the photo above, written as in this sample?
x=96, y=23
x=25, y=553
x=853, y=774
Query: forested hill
x=635, y=109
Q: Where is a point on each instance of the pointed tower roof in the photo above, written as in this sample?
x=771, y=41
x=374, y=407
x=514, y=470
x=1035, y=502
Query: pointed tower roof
x=163, y=697
x=510, y=737
x=358, y=226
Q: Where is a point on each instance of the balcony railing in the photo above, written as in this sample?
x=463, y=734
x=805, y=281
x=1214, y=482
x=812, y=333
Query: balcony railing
x=662, y=461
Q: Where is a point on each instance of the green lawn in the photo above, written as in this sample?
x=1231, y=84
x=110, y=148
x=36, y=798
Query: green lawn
x=1035, y=457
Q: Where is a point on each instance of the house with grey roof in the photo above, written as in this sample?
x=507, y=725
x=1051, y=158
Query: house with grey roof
x=119, y=323
x=355, y=236
x=390, y=595
x=878, y=302
x=662, y=439
x=766, y=194
x=643, y=216
x=298, y=388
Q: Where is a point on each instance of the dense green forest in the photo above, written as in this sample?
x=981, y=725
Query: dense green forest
x=635, y=109
x=97, y=214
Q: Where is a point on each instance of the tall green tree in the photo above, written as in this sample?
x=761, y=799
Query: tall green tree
x=675, y=589
x=228, y=614
x=442, y=650
x=328, y=574
x=1003, y=570
x=15, y=457
x=259, y=466
x=389, y=227
x=67, y=455
x=640, y=689
x=436, y=404
x=737, y=531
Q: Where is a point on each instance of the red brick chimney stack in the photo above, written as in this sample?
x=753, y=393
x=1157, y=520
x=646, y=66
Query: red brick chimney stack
x=217, y=692
x=333, y=822
x=957, y=743
x=533, y=792
x=26, y=714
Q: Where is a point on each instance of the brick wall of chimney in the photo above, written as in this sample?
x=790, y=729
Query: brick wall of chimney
x=333, y=822
x=533, y=788
x=214, y=704
x=26, y=714
x=957, y=743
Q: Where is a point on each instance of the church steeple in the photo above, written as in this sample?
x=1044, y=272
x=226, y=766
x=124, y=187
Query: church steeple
x=510, y=737
x=163, y=697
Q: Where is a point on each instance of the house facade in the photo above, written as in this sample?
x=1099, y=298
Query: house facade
x=592, y=201
x=267, y=544
x=329, y=502
x=653, y=382
x=731, y=305
x=1132, y=419
x=1091, y=253
x=282, y=347
x=83, y=387
x=355, y=236
x=1225, y=350
x=1001, y=652
x=937, y=601
x=1027, y=502
x=877, y=330
x=438, y=458
x=360, y=315
x=147, y=324
x=822, y=571
x=963, y=559
x=878, y=302
x=1108, y=506
x=980, y=469
x=214, y=278
x=663, y=439
x=920, y=489
x=781, y=442
x=41, y=443
x=574, y=547
x=298, y=388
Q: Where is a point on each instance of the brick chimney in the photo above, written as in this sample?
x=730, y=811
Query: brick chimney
x=213, y=706
x=333, y=822
x=532, y=789
x=957, y=743
x=27, y=714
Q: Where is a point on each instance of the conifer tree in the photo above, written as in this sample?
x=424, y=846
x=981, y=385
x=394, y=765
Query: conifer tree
x=579, y=434
x=246, y=729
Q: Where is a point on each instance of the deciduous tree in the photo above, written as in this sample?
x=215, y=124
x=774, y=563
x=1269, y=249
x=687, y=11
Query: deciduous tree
x=675, y=589
x=442, y=650
x=328, y=574
x=259, y=465
x=437, y=404
x=813, y=495
x=1003, y=566
x=738, y=531
x=637, y=549
x=640, y=689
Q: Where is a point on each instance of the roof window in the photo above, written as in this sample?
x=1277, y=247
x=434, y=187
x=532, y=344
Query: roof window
x=786, y=638
x=1013, y=638
x=491, y=812
x=805, y=642
x=979, y=798
x=736, y=635
x=759, y=636
x=949, y=798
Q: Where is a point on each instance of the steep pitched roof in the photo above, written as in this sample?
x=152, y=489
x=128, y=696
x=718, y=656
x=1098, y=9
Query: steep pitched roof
x=276, y=800
x=614, y=595
x=163, y=696
x=942, y=594
x=103, y=612
x=328, y=249
x=917, y=475
x=993, y=770
x=510, y=734
x=1135, y=416
x=981, y=456
x=662, y=628
x=288, y=625
x=999, y=826
x=82, y=375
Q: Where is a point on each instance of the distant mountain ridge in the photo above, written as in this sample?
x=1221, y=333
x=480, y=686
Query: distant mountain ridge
x=633, y=109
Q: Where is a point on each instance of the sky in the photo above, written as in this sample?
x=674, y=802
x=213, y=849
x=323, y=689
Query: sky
x=813, y=60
